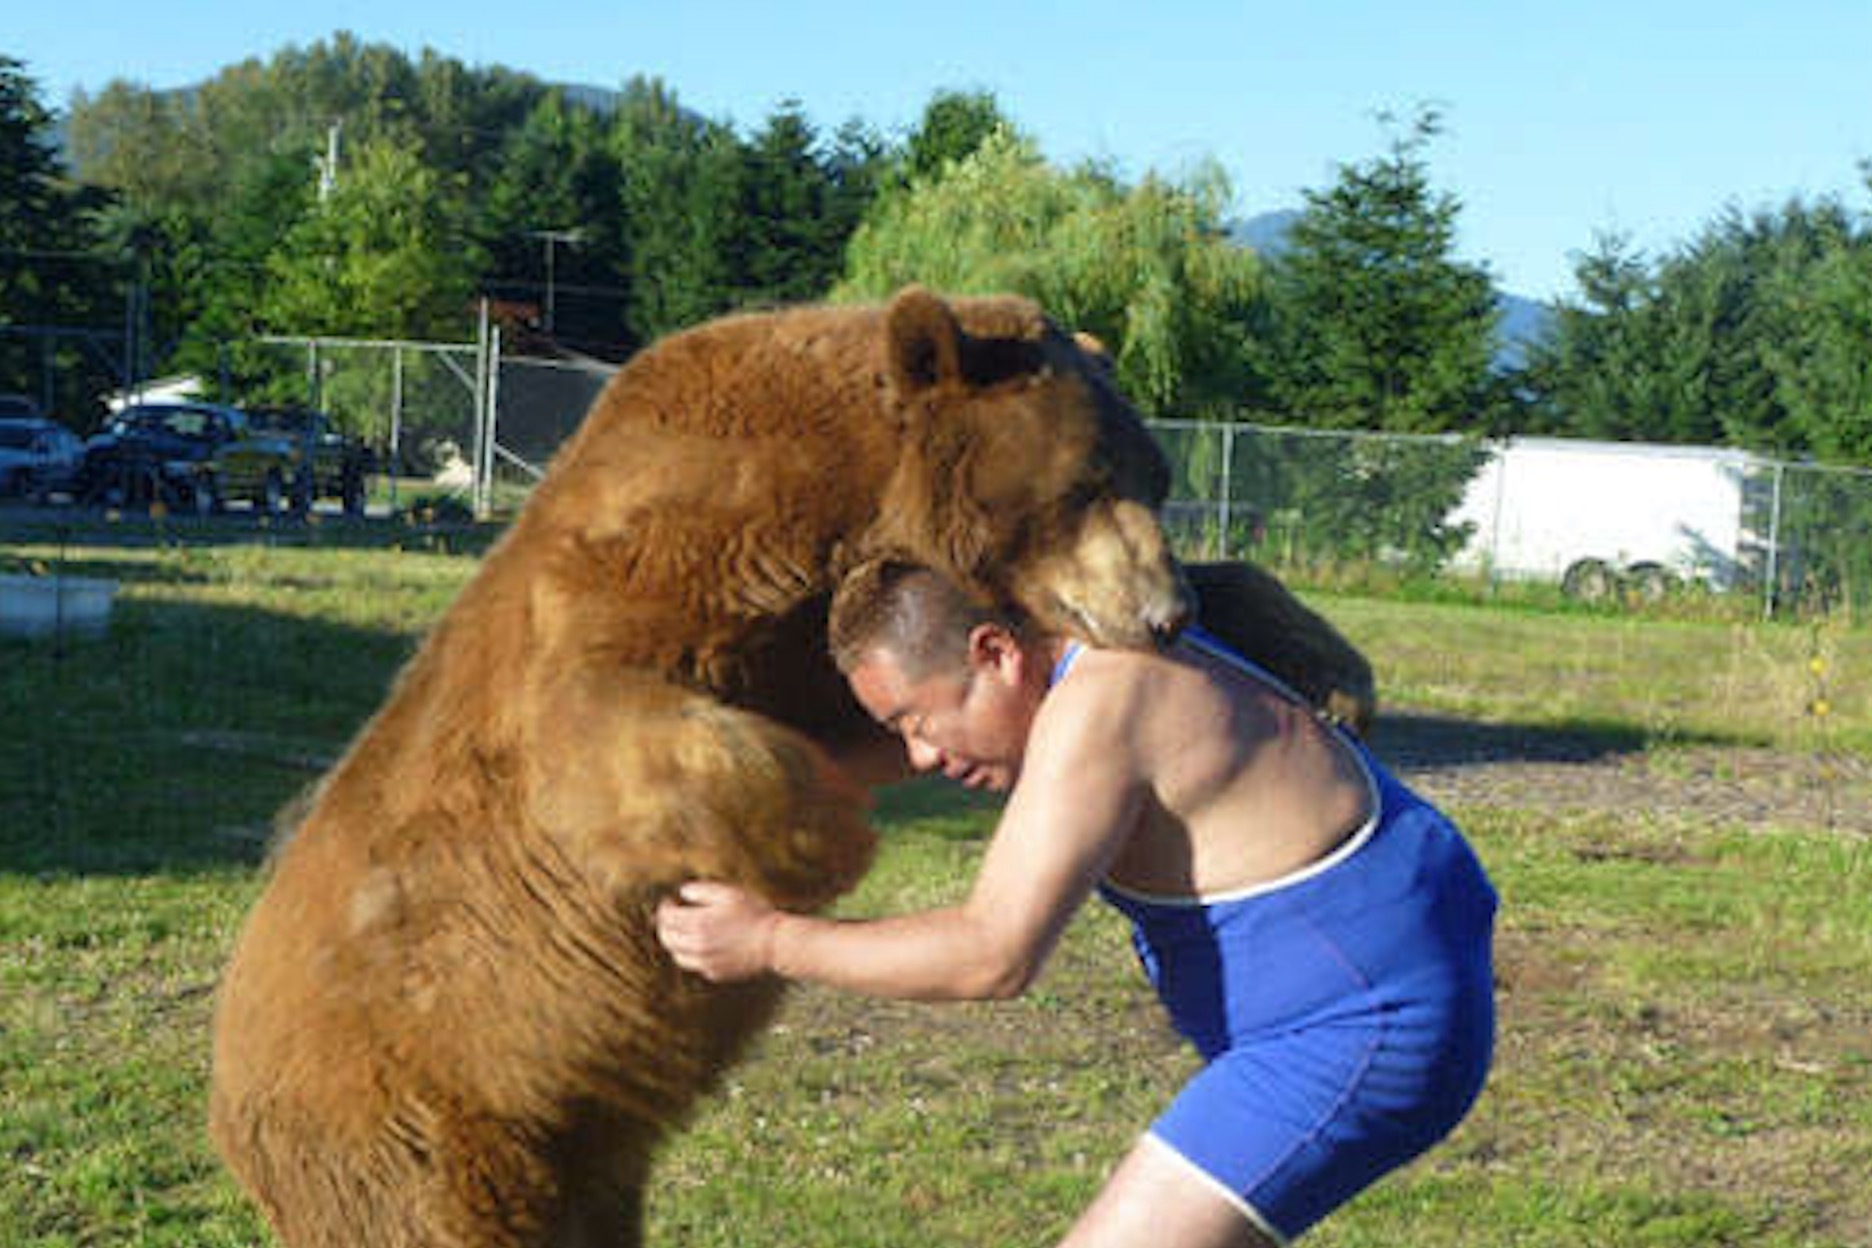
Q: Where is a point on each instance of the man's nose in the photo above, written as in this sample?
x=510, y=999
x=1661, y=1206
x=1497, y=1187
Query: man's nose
x=923, y=756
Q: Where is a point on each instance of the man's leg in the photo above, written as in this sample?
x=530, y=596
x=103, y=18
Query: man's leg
x=1156, y=1199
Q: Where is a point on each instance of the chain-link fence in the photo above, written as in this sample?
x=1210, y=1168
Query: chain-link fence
x=1594, y=517
x=418, y=405
x=539, y=404
x=64, y=370
x=462, y=420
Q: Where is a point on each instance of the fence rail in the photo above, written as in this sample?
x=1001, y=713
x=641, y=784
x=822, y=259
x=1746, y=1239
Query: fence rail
x=1594, y=516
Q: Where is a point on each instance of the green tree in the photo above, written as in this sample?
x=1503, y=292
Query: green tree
x=51, y=270
x=41, y=218
x=953, y=128
x=1373, y=323
x=171, y=149
x=150, y=147
x=224, y=273
x=1595, y=374
x=1146, y=269
x=795, y=236
x=1314, y=501
x=558, y=187
x=380, y=258
x=1816, y=345
x=679, y=199
x=1751, y=335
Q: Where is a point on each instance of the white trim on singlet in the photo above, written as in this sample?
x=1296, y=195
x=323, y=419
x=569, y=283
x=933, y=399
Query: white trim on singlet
x=1236, y=1199
x=1344, y=850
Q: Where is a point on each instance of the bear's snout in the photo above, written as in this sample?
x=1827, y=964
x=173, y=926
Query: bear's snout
x=1116, y=584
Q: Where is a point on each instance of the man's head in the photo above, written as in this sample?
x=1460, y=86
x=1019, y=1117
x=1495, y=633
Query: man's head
x=1022, y=473
x=958, y=679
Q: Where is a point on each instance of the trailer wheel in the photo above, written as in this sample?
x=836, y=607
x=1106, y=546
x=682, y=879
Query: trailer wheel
x=1590, y=580
x=1649, y=582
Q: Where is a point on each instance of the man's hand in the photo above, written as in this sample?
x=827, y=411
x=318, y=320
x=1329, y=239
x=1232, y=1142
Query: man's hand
x=720, y=932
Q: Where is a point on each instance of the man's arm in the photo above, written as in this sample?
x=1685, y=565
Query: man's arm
x=1078, y=798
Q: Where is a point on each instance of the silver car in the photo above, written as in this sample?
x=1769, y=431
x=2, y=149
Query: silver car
x=38, y=457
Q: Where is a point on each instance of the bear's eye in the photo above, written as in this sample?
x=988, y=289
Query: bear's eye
x=1084, y=494
x=990, y=361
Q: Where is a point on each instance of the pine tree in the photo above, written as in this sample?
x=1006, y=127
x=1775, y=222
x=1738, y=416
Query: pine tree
x=1374, y=324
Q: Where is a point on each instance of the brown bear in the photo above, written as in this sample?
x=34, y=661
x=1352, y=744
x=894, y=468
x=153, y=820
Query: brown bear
x=447, y=1020
x=1248, y=608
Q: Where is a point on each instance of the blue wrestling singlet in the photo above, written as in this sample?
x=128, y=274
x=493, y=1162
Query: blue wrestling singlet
x=1345, y=1013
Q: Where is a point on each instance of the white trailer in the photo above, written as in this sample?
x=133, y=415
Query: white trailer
x=1592, y=514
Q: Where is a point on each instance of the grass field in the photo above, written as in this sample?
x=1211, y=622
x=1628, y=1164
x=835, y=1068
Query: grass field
x=1686, y=1004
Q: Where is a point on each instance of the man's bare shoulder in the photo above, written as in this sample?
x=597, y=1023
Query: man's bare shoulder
x=1100, y=700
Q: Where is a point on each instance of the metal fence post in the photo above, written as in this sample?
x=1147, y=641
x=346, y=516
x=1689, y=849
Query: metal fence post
x=493, y=418
x=396, y=423
x=1773, y=576
x=478, y=484
x=1228, y=492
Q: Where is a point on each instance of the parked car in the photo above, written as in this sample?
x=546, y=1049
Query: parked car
x=160, y=452
x=19, y=407
x=292, y=454
x=38, y=457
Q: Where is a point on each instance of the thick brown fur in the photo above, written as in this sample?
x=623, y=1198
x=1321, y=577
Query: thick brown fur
x=1248, y=608
x=447, y=1021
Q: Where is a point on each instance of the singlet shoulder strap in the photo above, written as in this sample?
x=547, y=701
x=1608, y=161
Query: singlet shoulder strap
x=1064, y=663
x=1210, y=644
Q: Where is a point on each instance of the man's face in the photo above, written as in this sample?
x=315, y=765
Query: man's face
x=971, y=724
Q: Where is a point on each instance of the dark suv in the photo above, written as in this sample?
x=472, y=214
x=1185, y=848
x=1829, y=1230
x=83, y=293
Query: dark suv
x=292, y=454
x=159, y=452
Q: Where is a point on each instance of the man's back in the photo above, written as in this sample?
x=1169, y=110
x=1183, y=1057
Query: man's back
x=1245, y=785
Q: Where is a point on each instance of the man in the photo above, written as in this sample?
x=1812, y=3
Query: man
x=1318, y=932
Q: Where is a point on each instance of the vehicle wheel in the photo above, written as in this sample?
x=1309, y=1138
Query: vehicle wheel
x=354, y=496
x=104, y=490
x=272, y=495
x=146, y=488
x=1649, y=582
x=1589, y=580
x=205, y=497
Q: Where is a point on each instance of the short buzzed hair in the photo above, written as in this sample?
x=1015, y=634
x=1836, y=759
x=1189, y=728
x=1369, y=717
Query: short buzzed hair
x=919, y=617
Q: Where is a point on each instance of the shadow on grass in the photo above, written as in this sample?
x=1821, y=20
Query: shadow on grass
x=80, y=526
x=936, y=805
x=1414, y=741
x=169, y=743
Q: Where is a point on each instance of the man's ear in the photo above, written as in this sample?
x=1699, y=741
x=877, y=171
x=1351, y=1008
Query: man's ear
x=992, y=646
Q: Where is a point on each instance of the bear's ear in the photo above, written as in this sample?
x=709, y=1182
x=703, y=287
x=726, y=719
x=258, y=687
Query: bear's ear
x=923, y=342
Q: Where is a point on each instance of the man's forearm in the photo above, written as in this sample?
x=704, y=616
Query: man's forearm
x=935, y=955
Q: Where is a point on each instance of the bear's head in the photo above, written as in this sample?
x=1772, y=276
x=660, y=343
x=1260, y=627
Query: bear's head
x=1024, y=474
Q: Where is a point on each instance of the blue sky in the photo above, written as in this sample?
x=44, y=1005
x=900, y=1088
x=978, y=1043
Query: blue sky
x=1646, y=117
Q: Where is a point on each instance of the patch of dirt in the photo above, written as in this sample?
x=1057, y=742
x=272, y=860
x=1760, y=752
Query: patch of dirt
x=1459, y=762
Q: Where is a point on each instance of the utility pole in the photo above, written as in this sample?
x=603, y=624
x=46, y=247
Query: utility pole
x=328, y=164
x=571, y=238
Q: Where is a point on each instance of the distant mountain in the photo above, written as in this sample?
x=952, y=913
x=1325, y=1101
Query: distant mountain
x=600, y=100
x=1524, y=321
x=1265, y=232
